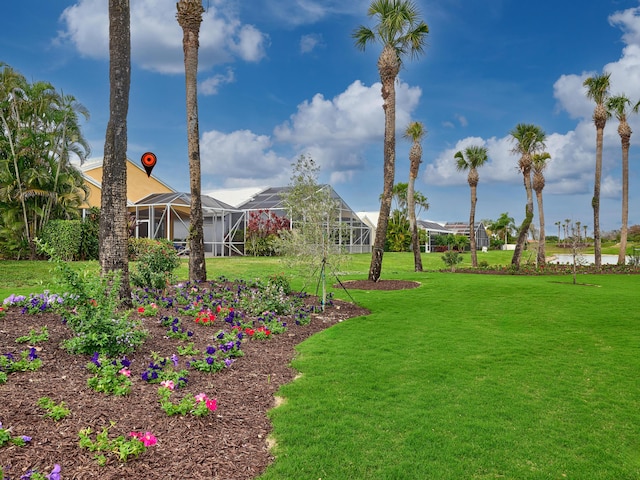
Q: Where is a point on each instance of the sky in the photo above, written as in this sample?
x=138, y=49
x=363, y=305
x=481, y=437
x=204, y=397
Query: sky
x=282, y=78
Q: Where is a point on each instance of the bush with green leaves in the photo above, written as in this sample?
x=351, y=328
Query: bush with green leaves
x=64, y=236
x=451, y=258
x=96, y=319
x=55, y=411
x=155, y=265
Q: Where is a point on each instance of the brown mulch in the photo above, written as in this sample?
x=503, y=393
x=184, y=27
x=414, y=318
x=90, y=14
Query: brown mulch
x=230, y=443
x=379, y=285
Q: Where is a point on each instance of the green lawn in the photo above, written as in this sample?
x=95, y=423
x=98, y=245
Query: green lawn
x=466, y=377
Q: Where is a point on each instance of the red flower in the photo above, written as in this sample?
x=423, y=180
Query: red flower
x=140, y=309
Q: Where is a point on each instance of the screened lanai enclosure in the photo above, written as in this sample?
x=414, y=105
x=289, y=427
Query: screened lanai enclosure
x=166, y=215
x=354, y=236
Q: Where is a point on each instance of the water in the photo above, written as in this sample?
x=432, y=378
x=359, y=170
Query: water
x=586, y=259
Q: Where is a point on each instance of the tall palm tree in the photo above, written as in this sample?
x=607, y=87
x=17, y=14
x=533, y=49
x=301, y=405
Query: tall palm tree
x=476, y=156
x=190, y=17
x=415, y=132
x=114, y=234
x=557, y=224
x=598, y=91
x=618, y=106
x=539, y=161
x=529, y=140
x=401, y=31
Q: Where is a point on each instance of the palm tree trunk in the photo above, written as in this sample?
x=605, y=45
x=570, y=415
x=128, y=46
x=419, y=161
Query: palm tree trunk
x=542, y=255
x=190, y=18
x=597, y=247
x=413, y=225
x=114, y=233
x=622, y=254
x=472, y=225
x=523, y=231
x=388, y=66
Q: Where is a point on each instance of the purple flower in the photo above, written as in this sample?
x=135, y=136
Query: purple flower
x=145, y=376
x=174, y=360
x=228, y=362
x=94, y=359
x=32, y=354
x=55, y=473
x=125, y=362
x=209, y=360
x=26, y=438
x=211, y=350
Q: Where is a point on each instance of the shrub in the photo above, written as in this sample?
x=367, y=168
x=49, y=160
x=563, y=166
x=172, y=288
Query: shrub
x=64, y=236
x=155, y=265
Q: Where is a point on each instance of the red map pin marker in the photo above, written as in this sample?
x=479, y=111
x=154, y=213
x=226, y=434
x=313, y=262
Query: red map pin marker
x=148, y=162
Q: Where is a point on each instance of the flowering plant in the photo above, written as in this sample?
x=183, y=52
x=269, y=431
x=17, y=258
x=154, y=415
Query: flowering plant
x=121, y=446
x=162, y=369
x=205, y=317
x=110, y=376
x=175, y=328
x=150, y=310
x=28, y=361
x=5, y=437
x=199, y=405
x=35, y=475
x=3, y=312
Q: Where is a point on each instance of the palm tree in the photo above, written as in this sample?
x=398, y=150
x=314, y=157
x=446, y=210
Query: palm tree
x=190, y=17
x=529, y=140
x=618, y=106
x=539, y=161
x=557, y=224
x=400, y=31
x=415, y=132
x=598, y=90
x=476, y=156
x=114, y=234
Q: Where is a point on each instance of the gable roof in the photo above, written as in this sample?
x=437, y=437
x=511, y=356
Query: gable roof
x=139, y=185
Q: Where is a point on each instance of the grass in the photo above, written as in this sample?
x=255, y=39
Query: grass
x=467, y=376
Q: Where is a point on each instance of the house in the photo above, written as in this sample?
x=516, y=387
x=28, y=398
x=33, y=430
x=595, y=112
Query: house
x=162, y=212
x=462, y=228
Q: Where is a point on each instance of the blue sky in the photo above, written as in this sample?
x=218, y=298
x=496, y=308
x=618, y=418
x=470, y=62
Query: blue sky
x=280, y=78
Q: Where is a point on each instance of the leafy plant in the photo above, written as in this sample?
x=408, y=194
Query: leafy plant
x=155, y=266
x=54, y=411
x=165, y=369
x=451, y=258
x=6, y=437
x=123, y=447
x=27, y=362
x=33, y=337
x=199, y=405
x=110, y=377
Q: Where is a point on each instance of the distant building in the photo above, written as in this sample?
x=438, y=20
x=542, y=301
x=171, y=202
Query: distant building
x=462, y=228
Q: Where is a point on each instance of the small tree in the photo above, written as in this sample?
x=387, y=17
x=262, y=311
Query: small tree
x=313, y=241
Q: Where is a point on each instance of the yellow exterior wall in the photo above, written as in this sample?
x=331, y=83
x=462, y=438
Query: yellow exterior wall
x=138, y=184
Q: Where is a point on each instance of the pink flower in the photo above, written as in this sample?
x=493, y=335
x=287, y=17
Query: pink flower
x=201, y=397
x=168, y=384
x=153, y=305
x=148, y=439
x=212, y=404
x=125, y=371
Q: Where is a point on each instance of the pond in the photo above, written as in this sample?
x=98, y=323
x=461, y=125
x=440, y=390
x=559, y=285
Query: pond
x=584, y=259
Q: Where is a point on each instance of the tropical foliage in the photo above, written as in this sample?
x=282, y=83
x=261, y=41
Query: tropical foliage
x=40, y=135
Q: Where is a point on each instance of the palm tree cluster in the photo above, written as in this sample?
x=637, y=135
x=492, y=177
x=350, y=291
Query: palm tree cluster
x=39, y=135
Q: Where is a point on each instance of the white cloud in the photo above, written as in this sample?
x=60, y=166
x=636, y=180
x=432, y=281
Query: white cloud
x=210, y=85
x=245, y=158
x=156, y=37
x=309, y=42
x=304, y=12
